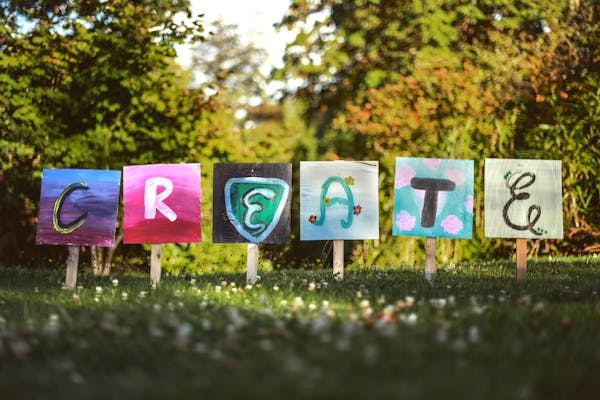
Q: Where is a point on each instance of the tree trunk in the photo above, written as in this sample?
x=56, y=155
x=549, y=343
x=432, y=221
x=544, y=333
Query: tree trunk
x=110, y=252
x=96, y=255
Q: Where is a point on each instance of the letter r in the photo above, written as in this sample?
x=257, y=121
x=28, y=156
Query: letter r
x=154, y=201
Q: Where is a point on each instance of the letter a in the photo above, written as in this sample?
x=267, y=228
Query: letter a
x=154, y=201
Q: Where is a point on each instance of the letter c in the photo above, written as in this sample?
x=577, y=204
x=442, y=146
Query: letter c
x=58, y=204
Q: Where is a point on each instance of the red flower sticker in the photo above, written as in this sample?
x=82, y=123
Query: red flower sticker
x=357, y=209
x=312, y=219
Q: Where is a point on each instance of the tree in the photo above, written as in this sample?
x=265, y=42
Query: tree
x=89, y=84
x=447, y=78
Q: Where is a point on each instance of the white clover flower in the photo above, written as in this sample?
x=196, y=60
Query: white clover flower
x=276, y=288
x=410, y=319
x=142, y=294
x=409, y=301
x=283, y=303
x=311, y=287
x=99, y=289
x=388, y=310
x=193, y=281
x=217, y=288
x=298, y=302
x=438, y=303
x=124, y=296
x=325, y=304
x=473, y=334
x=441, y=335
x=115, y=282
x=312, y=306
x=248, y=287
x=206, y=324
x=364, y=304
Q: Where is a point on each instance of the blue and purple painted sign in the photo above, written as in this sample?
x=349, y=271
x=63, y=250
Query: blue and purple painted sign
x=433, y=197
x=78, y=207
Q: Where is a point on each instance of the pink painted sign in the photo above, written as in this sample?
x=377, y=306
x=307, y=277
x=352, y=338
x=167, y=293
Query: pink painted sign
x=161, y=203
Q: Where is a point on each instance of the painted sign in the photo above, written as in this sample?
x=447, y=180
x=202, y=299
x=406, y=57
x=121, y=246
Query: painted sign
x=251, y=202
x=433, y=197
x=339, y=200
x=523, y=199
x=78, y=207
x=161, y=203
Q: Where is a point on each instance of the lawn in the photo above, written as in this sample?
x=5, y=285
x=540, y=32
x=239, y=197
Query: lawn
x=474, y=333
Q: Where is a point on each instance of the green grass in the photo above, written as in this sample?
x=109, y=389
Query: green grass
x=475, y=333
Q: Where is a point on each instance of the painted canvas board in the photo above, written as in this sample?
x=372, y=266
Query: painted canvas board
x=339, y=200
x=78, y=207
x=252, y=202
x=523, y=199
x=433, y=197
x=161, y=203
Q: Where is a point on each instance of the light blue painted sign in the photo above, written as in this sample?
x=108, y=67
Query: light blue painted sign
x=339, y=200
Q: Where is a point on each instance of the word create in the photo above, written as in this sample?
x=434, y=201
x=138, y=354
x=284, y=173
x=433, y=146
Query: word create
x=161, y=203
x=339, y=200
x=78, y=207
x=251, y=202
x=433, y=198
x=523, y=199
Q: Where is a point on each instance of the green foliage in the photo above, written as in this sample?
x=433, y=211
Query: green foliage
x=89, y=84
x=454, y=79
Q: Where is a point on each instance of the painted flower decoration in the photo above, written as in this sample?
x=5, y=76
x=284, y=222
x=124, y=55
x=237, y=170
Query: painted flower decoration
x=349, y=180
x=312, y=219
x=326, y=201
x=357, y=209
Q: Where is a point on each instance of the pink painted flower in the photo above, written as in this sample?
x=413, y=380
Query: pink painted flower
x=452, y=224
x=432, y=163
x=469, y=204
x=404, y=174
x=405, y=221
x=456, y=176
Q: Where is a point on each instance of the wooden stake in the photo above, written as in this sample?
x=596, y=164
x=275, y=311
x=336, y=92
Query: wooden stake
x=338, y=260
x=521, y=259
x=252, y=264
x=72, y=262
x=430, y=250
x=155, y=261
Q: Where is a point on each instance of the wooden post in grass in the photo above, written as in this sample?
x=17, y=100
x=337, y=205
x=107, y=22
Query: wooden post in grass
x=430, y=250
x=72, y=262
x=252, y=263
x=155, y=263
x=338, y=260
x=521, y=259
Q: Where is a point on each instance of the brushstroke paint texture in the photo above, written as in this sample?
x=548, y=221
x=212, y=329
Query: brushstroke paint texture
x=328, y=211
x=251, y=202
x=451, y=213
x=534, y=209
x=100, y=201
x=183, y=201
